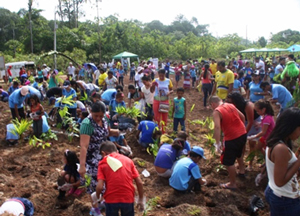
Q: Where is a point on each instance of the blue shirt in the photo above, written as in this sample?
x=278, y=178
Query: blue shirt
x=182, y=172
x=109, y=94
x=281, y=94
x=16, y=99
x=248, y=72
x=114, y=70
x=81, y=72
x=12, y=89
x=147, y=128
x=121, y=72
x=167, y=66
x=237, y=84
x=179, y=107
x=35, y=85
x=193, y=73
x=114, y=104
x=33, y=91
x=4, y=94
x=118, y=140
x=166, y=156
x=68, y=93
x=253, y=87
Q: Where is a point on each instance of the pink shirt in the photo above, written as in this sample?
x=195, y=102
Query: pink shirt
x=268, y=120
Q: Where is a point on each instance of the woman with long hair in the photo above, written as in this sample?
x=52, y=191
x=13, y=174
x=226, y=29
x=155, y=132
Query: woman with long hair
x=206, y=78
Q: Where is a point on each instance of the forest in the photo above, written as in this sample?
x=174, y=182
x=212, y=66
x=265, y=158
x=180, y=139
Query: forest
x=26, y=35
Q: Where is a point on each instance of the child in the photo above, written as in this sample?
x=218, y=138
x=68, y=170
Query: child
x=187, y=79
x=121, y=145
x=186, y=173
x=236, y=84
x=121, y=76
x=147, y=95
x=118, y=102
x=193, y=75
x=36, y=83
x=17, y=206
x=179, y=110
x=69, y=175
x=13, y=87
x=11, y=138
x=132, y=72
x=177, y=71
x=43, y=89
x=82, y=116
x=133, y=94
x=37, y=111
x=265, y=110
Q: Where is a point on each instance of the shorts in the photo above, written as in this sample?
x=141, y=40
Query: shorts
x=177, y=78
x=233, y=150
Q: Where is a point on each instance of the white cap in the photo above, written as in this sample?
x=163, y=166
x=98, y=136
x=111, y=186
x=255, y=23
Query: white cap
x=24, y=91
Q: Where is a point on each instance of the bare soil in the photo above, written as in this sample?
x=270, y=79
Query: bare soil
x=31, y=172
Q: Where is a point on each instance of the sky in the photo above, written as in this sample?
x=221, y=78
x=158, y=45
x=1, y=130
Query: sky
x=256, y=17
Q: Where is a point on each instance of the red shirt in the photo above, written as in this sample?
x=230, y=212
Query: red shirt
x=119, y=185
x=9, y=72
x=21, y=72
x=231, y=124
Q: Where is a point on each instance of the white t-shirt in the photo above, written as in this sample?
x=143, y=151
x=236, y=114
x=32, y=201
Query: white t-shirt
x=12, y=207
x=97, y=74
x=278, y=69
x=71, y=70
x=260, y=63
x=138, y=78
x=92, y=86
x=110, y=83
x=148, y=95
x=80, y=105
x=83, y=84
x=45, y=72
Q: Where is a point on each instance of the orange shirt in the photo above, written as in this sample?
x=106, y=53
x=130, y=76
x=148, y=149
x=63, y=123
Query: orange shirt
x=231, y=124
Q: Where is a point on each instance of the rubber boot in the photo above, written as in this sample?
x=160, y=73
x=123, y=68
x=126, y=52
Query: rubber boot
x=61, y=194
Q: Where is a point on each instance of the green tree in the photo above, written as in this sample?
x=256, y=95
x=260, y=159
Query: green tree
x=262, y=42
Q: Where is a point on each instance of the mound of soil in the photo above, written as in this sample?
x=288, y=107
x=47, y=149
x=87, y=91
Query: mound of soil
x=32, y=173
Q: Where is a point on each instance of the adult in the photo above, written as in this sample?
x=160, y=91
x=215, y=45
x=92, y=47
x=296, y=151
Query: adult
x=110, y=81
x=89, y=72
x=279, y=68
x=223, y=81
x=102, y=77
x=108, y=95
x=255, y=93
x=67, y=92
x=138, y=77
x=13, y=87
x=240, y=63
x=93, y=131
x=186, y=174
x=162, y=88
x=152, y=67
x=114, y=70
x=166, y=158
x=260, y=66
x=53, y=82
x=71, y=70
x=231, y=121
x=81, y=73
x=213, y=67
x=167, y=68
x=16, y=102
x=45, y=72
x=146, y=130
x=252, y=118
x=119, y=195
x=54, y=92
x=147, y=95
x=4, y=95
x=125, y=67
x=40, y=74
x=280, y=94
x=282, y=192
x=9, y=73
x=96, y=75
x=146, y=70
x=206, y=78
x=247, y=74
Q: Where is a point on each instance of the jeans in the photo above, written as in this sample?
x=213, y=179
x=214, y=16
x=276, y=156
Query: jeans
x=112, y=209
x=132, y=73
x=38, y=127
x=206, y=88
x=282, y=206
x=193, y=81
x=167, y=73
x=176, y=123
x=121, y=81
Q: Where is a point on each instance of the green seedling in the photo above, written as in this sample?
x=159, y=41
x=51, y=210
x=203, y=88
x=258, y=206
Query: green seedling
x=20, y=126
x=194, y=211
x=73, y=129
x=141, y=163
x=220, y=167
x=35, y=142
x=49, y=136
x=152, y=203
x=84, y=97
x=87, y=181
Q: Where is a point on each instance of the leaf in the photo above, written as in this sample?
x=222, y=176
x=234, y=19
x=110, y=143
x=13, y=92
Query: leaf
x=192, y=108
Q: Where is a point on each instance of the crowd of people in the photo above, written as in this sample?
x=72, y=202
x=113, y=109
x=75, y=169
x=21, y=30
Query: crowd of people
x=241, y=96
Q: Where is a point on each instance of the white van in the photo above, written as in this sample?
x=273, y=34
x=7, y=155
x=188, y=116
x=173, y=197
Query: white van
x=16, y=67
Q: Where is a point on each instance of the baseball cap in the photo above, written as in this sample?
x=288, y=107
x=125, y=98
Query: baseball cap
x=66, y=83
x=199, y=151
x=51, y=99
x=139, y=69
x=193, y=66
x=44, y=65
x=24, y=91
x=145, y=65
x=256, y=72
x=235, y=74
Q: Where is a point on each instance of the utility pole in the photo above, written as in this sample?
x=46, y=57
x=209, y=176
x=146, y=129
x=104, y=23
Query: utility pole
x=98, y=20
x=30, y=24
x=55, y=27
x=246, y=35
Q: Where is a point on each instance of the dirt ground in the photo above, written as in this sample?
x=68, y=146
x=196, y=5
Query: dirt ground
x=31, y=172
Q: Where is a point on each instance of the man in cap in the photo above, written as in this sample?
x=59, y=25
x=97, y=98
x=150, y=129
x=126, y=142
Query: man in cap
x=16, y=101
x=138, y=77
x=45, y=71
x=186, y=174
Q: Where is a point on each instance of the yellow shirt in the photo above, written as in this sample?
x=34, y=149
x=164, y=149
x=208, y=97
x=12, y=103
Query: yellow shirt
x=213, y=68
x=223, y=80
x=101, y=79
x=118, y=65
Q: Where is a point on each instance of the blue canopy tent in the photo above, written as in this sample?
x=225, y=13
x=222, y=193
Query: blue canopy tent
x=294, y=48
